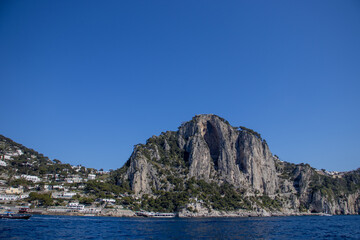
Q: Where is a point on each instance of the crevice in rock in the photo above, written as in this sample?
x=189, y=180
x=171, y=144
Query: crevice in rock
x=240, y=156
x=212, y=140
x=187, y=157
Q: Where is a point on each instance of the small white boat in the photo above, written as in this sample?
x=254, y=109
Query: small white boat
x=326, y=214
x=155, y=214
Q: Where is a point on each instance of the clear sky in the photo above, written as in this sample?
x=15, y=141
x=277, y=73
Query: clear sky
x=84, y=81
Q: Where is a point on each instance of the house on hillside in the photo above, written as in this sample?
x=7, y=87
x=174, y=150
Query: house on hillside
x=66, y=195
x=12, y=190
x=31, y=178
x=91, y=176
x=76, y=206
x=6, y=197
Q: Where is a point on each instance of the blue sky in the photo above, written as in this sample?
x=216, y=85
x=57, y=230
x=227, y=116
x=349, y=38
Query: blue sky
x=84, y=81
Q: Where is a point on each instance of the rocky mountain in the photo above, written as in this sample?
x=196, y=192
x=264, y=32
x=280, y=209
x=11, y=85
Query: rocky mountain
x=206, y=168
x=209, y=166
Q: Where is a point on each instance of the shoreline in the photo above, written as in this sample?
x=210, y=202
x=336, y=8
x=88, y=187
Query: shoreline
x=184, y=213
x=180, y=215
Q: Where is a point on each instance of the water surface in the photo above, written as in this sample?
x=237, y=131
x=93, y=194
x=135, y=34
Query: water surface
x=72, y=227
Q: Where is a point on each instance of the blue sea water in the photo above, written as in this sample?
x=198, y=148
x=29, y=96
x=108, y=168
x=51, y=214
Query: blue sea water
x=72, y=227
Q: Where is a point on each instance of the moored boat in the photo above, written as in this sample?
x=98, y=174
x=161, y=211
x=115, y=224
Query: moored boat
x=155, y=214
x=24, y=210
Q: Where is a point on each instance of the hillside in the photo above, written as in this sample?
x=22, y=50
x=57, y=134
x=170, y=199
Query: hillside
x=209, y=166
x=20, y=160
x=206, y=168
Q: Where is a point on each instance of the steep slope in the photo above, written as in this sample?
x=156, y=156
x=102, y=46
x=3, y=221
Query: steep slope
x=18, y=160
x=209, y=164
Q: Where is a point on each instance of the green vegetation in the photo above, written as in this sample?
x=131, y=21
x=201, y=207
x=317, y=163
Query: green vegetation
x=286, y=169
x=174, y=156
x=224, y=120
x=211, y=195
x=172, y=168
x=20, y=182
x=251, y=131
x=84, y=200
x=224, y=197
x=42, y=199
x=172, y=190
x=335, y=187
x=104, y=189
x=165, y=201
x=31, y=162
x=269, y=203
x=116, y=178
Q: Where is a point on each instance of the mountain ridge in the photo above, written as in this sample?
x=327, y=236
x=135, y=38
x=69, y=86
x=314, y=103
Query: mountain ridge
x=205, y=168
x=209, y=149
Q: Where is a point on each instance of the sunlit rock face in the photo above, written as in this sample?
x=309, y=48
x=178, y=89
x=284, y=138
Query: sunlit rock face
x=213, y=150
x=208, y=148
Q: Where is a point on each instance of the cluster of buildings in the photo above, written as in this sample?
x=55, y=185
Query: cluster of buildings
x=9, y=156
x=12, y=194
x=62, y=185
x=81, y=208
x=333, y=174
x=60, y=190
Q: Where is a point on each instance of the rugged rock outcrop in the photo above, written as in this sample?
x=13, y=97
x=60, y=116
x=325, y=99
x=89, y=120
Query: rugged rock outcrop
x=208, y=150
x=213, y=150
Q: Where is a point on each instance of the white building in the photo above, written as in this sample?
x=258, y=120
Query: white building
x=14, y=154
x=58, y=187
x=2, y=163
x=76, y=206
x=47, y=187
x=67, y=195
x=12, y=190
x=5, y=197
x=69, y=180
x=74, y=179
x=91, y=210
x=108, y=200
x=91, y=176
x=25, y=195
x=31, y=178
x=58, y=209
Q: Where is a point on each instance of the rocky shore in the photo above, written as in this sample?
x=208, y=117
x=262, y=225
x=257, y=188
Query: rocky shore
x=187, y=214
x=246, y=214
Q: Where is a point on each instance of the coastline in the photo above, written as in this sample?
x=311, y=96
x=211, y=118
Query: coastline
x=184, y=213
x=213, y=214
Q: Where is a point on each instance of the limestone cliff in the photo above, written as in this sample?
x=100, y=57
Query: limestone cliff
x=207, y=151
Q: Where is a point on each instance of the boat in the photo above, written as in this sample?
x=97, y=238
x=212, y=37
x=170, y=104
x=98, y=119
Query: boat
x=15, y=216
x=24, y=210
x=155, y=214
x=164, y=215
x=326, y=215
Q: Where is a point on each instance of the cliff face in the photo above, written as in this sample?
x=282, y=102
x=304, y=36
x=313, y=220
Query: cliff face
x=237, y=157
x=213, y=150
x=209, y=149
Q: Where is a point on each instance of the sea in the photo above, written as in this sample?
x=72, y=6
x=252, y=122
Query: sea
x=74, y=227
